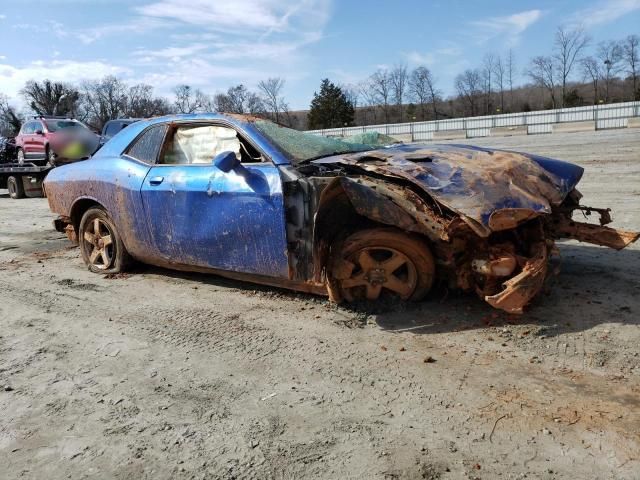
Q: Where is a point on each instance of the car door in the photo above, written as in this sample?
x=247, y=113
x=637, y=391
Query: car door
x=201, y=216
x=27, y=139
x=38, y=140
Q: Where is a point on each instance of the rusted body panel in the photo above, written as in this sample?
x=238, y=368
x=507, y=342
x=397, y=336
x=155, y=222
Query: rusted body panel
x=474, y=183
x=596, y=234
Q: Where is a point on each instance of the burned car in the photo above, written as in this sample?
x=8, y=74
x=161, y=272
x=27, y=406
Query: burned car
x=248, y=199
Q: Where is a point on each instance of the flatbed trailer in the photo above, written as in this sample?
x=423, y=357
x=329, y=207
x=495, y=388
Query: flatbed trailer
x=23, y=180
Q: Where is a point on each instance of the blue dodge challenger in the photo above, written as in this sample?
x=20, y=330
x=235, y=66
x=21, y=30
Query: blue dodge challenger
x=246, y=198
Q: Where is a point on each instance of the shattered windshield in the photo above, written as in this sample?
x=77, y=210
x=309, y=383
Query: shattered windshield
x=301, y=147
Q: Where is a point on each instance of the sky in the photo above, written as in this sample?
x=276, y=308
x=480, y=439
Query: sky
x=213, y=44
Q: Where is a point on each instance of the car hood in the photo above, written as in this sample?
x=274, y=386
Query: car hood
x=472, y=181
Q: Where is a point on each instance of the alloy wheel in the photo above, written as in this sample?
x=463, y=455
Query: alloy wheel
x=379, y=269
x=98, y=240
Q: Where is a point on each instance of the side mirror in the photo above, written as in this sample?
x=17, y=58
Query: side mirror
x=39, y=132
x=226, y=161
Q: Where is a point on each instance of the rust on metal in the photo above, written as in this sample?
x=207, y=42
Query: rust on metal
x=520, y=290
x=596, y=234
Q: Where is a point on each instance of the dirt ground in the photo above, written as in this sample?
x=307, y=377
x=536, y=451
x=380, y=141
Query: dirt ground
x=160, y=374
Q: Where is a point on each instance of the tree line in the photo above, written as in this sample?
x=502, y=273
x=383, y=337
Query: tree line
x=575, y=73
x=98, y=101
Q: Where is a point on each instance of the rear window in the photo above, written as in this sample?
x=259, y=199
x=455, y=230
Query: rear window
x=112, y=129
x=147, y=145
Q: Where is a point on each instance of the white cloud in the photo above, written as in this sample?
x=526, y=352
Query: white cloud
x=509, y=26
x=136, y=26
x=13, y=78
x=605, y=11
x=2, y=17
x=173, y=53
x=202, y=74
x=243, y=40
x=417, y=58
x=238, y=15
x=245, y=18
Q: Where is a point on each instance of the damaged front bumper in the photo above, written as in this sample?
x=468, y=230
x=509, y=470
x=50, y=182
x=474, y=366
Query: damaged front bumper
x=521, y=289
x=517, y=292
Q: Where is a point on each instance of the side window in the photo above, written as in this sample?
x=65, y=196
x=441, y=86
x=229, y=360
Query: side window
x=147, y=146
x=196, y=144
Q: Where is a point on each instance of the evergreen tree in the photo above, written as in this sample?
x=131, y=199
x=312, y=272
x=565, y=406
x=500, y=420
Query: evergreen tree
x=330, y=108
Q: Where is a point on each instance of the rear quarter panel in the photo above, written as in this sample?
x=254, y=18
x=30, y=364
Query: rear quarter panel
x=112, y=182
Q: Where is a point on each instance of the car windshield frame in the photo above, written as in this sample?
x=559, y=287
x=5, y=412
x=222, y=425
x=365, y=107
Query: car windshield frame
x=303, y=147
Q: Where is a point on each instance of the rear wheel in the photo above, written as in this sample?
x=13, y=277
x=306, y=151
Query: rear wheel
x=20, y=156
x=100, y=243
x=15, y=187
x=380, y=262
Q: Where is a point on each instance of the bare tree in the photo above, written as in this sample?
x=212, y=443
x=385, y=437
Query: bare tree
x=238, y=99
x=381, y=85
x=10, y=121
x=352, y=92
x=511, y=70
x=592, y=71
x=610, y=54
x=271, y=89
x=422, y=89
x=140, y=102
x=104, y=100
x=543, y=74
x=51, y=98
x=568, y=44
x=398, y=85
x=369, y=99
x=188, y=99
x=487, y=71
x=499, y=73
x=631, y=56
x=469, y=87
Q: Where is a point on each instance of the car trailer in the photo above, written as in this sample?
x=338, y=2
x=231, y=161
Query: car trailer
x=23, y=180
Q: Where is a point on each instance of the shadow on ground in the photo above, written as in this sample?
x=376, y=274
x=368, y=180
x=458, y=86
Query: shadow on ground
x=594, y=286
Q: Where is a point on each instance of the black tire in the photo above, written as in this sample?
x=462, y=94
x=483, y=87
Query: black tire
x=20, y=156
x=378, y=262
x=98, y=255
x=15, y=187
x=50, y=156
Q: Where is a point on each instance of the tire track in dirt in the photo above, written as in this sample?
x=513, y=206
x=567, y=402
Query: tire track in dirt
x=205, y=331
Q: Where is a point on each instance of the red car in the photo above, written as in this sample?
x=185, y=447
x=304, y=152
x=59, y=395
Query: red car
x=54, y=140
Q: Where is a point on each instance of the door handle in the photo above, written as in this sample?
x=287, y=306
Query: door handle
x=156, y=180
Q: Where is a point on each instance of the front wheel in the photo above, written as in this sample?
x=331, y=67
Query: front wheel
x=100, y=243
x=379, y=262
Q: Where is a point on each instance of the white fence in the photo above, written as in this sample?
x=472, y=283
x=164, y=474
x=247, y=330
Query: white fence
x=614, y=115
